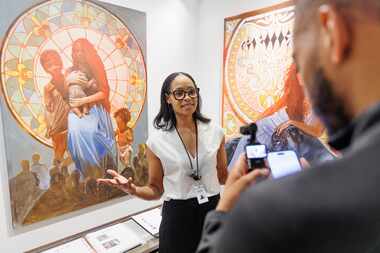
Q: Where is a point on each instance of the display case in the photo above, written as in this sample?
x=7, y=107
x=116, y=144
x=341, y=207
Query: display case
x=122, y=235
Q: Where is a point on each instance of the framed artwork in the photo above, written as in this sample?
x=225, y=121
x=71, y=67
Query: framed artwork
x=261, y=84
x=257, y=53
x=73, y=82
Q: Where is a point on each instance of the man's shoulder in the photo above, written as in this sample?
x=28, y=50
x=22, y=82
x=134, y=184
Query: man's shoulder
x=296, y=188
x=339, y=185
x=333, y=207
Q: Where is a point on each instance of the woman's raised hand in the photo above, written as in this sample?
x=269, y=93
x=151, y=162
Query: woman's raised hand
x=119, y=182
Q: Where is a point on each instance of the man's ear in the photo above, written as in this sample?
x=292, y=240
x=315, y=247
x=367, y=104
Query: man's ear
x=335, y=33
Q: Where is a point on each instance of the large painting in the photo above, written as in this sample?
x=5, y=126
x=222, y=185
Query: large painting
x=73, y=79
x=260, y=83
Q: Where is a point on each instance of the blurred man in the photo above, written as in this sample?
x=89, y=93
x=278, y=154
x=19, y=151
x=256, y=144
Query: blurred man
x=334, y=207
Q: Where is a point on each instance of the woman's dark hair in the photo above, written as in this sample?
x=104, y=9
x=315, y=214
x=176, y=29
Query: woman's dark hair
x=166, y=119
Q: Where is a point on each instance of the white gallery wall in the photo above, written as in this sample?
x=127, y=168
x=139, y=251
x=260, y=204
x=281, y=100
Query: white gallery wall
x=182, y=35
x=172, y=33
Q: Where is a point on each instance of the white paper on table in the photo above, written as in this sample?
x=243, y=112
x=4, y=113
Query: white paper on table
x=79, y=245
x=114, y=239
x=149, y=220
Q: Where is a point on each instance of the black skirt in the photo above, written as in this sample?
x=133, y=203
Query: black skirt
x=182, y=223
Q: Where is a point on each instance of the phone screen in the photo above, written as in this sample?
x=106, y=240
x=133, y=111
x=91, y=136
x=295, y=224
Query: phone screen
x=256, y=154
x=283, y=163
x=256, y=151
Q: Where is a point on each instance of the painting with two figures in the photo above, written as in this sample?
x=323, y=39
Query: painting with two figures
x=261, y=85
x=73, y=80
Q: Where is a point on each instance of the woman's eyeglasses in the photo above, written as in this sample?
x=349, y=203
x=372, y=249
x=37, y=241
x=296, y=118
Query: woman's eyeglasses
x=180, y=94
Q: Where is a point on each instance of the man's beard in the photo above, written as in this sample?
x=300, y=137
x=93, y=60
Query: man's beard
x=327, y=105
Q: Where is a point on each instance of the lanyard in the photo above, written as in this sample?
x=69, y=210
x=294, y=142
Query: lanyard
x=195, y=176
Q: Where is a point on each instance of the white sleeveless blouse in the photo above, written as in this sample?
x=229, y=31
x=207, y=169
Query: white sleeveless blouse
x=167, y=146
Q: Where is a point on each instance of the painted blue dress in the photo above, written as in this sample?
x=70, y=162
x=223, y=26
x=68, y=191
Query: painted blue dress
x=91, y=140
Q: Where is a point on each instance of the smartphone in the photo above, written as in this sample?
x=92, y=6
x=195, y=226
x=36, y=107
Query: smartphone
x=283, y=163
x=256, y=154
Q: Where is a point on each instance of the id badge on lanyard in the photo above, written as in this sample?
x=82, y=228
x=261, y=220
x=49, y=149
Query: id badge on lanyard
x=200, y=191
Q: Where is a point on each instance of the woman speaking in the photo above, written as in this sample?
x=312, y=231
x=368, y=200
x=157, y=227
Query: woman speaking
x=187, y=164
